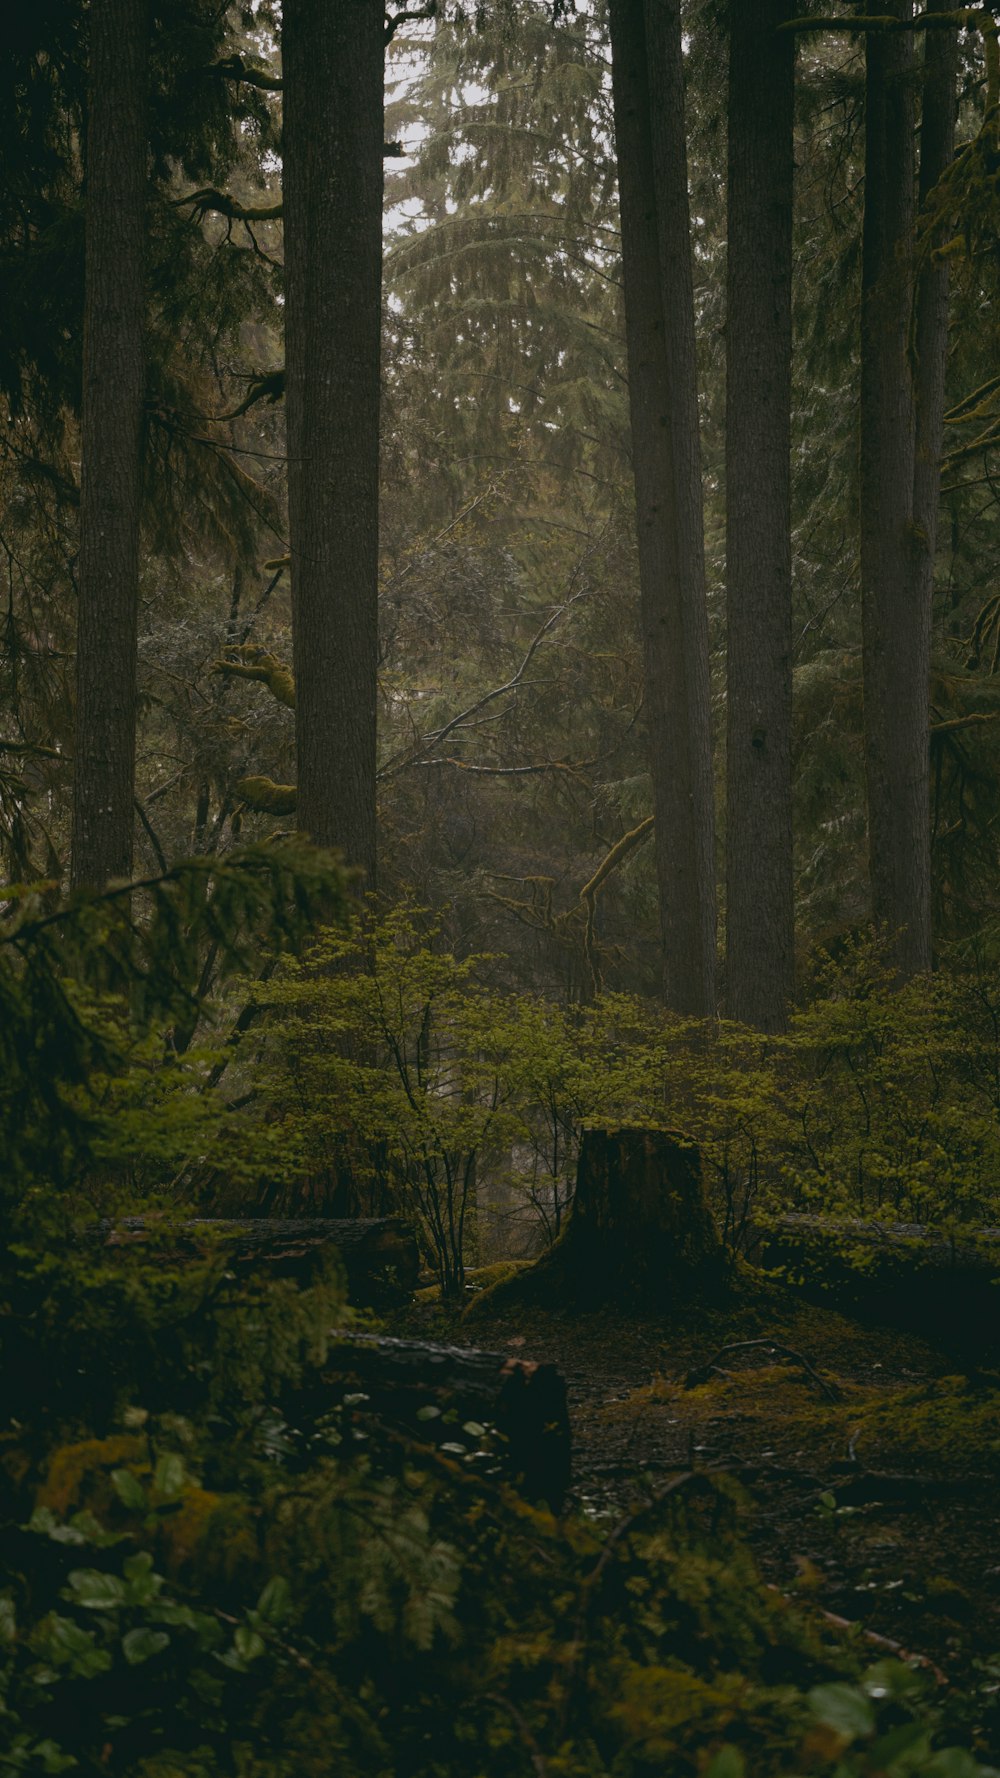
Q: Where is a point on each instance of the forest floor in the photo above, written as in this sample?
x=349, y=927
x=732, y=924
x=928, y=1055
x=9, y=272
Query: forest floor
x=868, y=1459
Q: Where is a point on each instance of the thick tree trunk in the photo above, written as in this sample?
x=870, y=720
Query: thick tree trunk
x=895, y=633
x=937, y=148
x=111, y=443
x=333, y=58
x=659, y=317
x=760, y=936
x=640, y=1231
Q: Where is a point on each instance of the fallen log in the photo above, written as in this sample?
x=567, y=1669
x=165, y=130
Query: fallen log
x=505, y=1414
x=379, y=1254
x=939, y=1284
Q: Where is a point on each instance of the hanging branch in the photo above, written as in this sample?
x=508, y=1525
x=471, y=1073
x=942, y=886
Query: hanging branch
x=588, y=894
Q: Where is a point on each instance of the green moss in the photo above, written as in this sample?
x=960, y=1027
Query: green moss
x=79, y=1475
x=210, y=1536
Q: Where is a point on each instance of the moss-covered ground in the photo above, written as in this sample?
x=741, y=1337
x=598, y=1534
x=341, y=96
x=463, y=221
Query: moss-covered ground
x=869, y=1458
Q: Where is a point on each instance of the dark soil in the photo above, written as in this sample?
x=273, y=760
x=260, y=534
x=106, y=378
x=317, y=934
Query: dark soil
x=869, y=1459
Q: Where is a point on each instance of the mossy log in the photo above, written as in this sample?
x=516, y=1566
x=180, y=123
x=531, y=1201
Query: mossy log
x=640, y=1231
x=379, y=1254
x=945, y=1287
x=457, y=1396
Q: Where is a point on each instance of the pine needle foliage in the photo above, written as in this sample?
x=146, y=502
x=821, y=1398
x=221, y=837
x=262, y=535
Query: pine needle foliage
x=84, y=982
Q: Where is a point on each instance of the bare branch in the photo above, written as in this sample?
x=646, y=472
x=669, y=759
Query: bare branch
x=417, y=16
x=208, y=201
x=269, y=387
x=235, y=68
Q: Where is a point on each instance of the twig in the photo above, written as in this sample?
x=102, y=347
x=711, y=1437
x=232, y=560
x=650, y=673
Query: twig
x=523, y=1729
x=703, y=1372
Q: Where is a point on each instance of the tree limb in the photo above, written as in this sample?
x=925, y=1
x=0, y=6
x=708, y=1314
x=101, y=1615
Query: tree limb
x=218, y=203
x=417, y=15
x=235, y=68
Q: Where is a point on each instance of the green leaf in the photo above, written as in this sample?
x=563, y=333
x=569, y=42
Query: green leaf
x=129, y=1489
x=728, y=1763
x=844, y=1708
x=249, y=1646
x=891, y=1679
x=910, y=1738
x=952, y=1762
x=49, y=1757
x=275, y=1601
x=73, y=1646
x=170, y=1476
x=143, y=1584
x=474, y=1429
x=428, y=1413
x=95, y=1590
x=141, y=1644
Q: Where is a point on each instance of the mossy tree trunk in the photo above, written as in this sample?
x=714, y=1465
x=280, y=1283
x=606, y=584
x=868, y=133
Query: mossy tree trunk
x=640, y=1231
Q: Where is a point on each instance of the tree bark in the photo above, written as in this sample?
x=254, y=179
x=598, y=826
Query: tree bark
x=522, y=1402
x=333, y=57
x=760, y=930
x=640, y=1231
x=648, y=87
x=111, y=443
x=937, y=148
x=895, y=632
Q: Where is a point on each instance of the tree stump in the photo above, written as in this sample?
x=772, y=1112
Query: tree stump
x=640, y=1231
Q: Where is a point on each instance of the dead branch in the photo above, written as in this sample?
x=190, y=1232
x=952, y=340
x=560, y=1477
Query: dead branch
x=703, y=1372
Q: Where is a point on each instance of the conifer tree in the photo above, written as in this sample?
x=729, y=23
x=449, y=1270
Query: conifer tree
x=111, y=434
x=759, y=877
x=648, y=83
x=332, y=173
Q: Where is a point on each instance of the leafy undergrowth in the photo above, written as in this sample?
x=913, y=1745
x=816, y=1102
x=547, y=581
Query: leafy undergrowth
x=866, y=1458
x=197, y=1584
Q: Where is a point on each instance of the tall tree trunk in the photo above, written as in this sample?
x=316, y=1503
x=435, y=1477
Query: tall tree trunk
x=937, y=148
x=895, y=634
x=648, y=89
x=760, y=933
x=333, y=56
x=111, y=443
